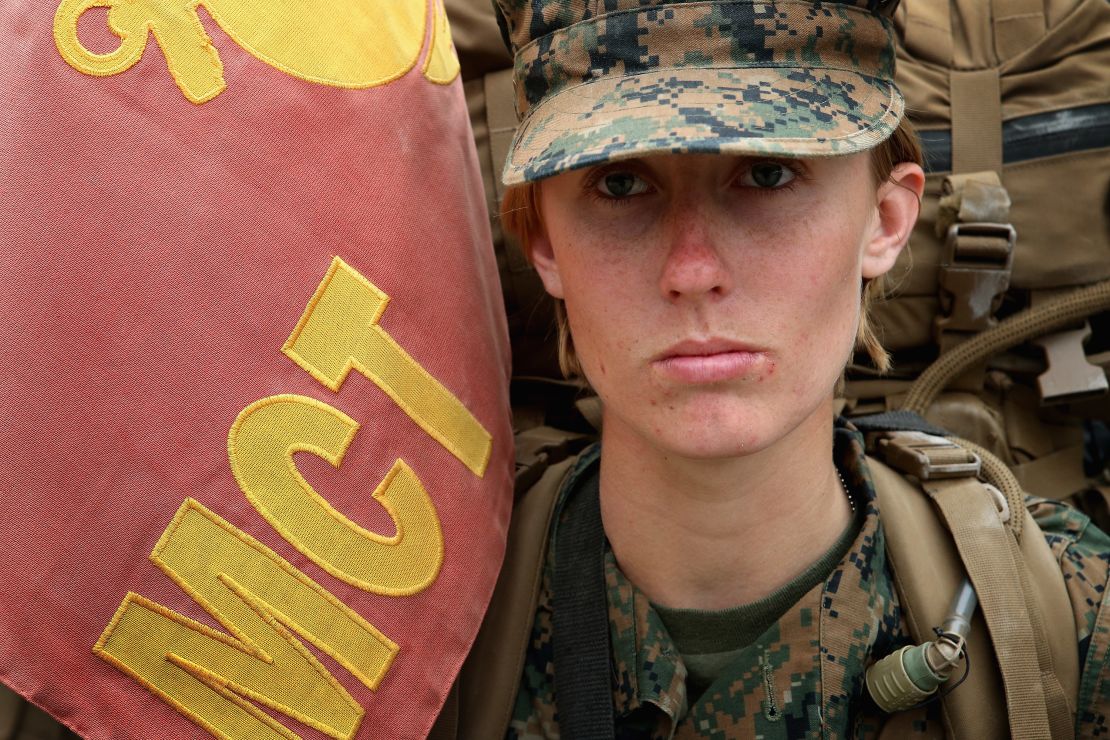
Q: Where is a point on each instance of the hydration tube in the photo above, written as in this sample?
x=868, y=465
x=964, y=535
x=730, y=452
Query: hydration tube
x=909, y=676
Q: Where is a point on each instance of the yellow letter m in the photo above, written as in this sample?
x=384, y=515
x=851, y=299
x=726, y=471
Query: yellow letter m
x=261, y=600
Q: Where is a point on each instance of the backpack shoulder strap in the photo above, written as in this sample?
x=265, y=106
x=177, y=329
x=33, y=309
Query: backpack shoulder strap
x=927, y=571
x=1020, y=589
x=483, y=695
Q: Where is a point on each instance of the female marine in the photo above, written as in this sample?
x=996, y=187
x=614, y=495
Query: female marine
x=712, y=191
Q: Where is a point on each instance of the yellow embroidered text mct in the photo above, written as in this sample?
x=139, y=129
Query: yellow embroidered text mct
x=263, y=601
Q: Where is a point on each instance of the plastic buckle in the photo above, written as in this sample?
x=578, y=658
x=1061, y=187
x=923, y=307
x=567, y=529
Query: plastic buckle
x=974, y=275
x=927, y=456
x=1070, y=376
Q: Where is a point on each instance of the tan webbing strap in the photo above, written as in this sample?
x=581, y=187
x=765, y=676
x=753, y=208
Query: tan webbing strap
x=1057, y=475
x=927, y=572
x=998, y=474
x=928, y=25
x=929, y=457
x=1047, y=598
x=990, y=554
x=490, y=677
x=1018, y=25
x=972, y=197
x=976, y=99
x=1061, y=720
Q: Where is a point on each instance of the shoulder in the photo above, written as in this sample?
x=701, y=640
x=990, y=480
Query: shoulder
x=1083, y=553
x=1066, y=527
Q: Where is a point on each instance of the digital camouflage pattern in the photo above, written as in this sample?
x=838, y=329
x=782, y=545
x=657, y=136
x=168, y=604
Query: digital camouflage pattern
x=804, y=676
x=611, y=79
x=1084, y=554
x=731, y=35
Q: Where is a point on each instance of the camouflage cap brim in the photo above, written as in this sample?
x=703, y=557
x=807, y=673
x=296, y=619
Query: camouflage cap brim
x=792, y=78
x=784, y=112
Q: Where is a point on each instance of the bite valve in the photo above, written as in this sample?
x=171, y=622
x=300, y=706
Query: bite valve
x=911, y=675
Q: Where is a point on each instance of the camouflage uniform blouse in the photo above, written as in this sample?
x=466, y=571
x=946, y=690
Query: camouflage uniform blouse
x=804, y=676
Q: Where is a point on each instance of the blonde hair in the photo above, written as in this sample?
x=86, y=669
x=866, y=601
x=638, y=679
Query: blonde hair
x=521, y=217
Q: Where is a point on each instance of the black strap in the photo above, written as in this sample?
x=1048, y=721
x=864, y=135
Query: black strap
x=1032, y=137
x=580, y=620
x=895, y=421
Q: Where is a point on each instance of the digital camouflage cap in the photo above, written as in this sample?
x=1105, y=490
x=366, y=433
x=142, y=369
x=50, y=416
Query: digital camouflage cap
x=603, y=80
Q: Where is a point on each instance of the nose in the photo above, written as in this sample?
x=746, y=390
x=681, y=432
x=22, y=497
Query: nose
x=694, y=268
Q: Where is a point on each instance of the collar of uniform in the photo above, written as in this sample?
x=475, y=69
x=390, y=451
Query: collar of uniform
x=647, y=668
x=860, y=617
x=857, y=617
x=646, y=665
x=850, y=459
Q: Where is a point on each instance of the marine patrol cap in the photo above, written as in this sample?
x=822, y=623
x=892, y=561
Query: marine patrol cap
x=604, y=80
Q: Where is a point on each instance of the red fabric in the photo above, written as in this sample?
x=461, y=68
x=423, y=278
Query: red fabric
x=155, y=255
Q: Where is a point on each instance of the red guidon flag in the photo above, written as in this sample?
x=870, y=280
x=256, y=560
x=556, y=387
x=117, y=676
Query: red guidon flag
x=253, y=367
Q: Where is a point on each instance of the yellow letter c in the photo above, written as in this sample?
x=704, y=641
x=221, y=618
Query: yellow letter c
x=261, y=446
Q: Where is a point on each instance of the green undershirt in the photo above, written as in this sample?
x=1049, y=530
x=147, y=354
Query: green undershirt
x=709, y=640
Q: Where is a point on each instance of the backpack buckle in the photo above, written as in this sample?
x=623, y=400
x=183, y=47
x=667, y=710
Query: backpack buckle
x=927, y=456
x=974, y=275
x=1070, y=376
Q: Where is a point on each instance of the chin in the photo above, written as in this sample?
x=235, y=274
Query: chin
x=718, y=448
x=703, y=436
x=739, y=427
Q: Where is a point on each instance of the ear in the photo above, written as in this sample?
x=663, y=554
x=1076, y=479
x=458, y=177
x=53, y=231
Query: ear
x=543, y=259
x=898, y=203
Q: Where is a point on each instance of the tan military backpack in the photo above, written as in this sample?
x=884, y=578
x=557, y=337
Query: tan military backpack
x=1002, y=299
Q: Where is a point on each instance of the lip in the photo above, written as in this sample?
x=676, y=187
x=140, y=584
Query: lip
x=698, y=361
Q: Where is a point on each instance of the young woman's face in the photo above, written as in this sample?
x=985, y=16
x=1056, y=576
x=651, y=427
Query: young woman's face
x=714, y=300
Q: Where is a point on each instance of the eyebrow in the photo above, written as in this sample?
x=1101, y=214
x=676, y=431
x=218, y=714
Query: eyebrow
x=734, y=160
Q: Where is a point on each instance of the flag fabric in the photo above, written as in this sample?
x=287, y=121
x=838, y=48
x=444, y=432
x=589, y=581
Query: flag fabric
x=253, y=368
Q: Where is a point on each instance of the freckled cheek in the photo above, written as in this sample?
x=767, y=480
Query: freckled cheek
x=833, y=292
x=816, y=329
x=604, y=332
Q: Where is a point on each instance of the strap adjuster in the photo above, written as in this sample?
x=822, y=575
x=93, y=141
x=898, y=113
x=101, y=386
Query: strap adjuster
x=967, y=233
x=927, y=456
x=974, y=275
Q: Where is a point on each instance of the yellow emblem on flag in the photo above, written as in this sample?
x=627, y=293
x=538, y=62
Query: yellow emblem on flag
x=342, y=44
x=261, y=599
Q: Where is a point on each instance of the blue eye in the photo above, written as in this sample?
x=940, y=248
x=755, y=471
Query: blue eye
x=621, y=185
x=766, y=175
